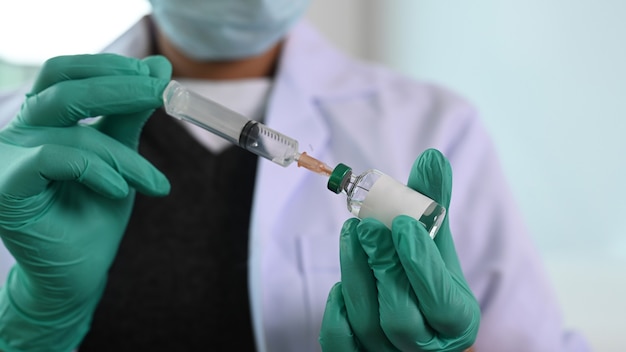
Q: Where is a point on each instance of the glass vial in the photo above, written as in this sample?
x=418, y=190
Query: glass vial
x=376, y=195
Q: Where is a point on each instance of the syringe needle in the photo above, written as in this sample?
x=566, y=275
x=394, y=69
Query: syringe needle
x=310, y=163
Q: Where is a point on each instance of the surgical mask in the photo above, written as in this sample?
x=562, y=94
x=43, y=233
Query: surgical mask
x=225, y=29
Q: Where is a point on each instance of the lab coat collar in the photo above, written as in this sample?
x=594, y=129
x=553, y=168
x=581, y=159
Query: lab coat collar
x=304, y=48
x=317, y=68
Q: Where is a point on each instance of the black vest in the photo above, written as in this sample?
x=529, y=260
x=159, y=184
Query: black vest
x=179, y=281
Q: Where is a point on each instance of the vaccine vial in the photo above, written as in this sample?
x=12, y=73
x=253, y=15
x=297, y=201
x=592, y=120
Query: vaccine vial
x=376, y=195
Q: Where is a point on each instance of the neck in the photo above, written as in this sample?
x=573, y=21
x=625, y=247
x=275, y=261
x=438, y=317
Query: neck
x=263, y=65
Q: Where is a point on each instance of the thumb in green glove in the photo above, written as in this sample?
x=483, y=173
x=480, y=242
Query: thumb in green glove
x=399, y=289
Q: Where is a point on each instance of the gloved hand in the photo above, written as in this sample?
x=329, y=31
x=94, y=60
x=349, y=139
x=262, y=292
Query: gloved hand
x=67, y=189
x=399, y=289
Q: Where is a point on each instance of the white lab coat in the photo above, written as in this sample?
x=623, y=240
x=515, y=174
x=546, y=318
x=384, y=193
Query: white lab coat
x=369, y=117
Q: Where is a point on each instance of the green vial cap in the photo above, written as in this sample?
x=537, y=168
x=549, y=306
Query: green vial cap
x=337, y=177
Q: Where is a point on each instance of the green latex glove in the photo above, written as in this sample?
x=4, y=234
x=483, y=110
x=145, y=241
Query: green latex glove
x=399, y=289
x=67, y=189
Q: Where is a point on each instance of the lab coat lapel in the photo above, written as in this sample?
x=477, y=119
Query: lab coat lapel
x=292, y=110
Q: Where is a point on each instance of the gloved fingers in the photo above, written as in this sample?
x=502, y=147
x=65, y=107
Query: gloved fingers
x=336, y=333
x=400, y=317
x=159, y=66
x=431, y=175
x=445, y=301
x=47, y=163
x=132, y=167
x=359, y=291
x=67, y=102
x=126, y=128
x=75, y=67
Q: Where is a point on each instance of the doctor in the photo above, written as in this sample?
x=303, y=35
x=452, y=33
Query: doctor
x=242, y=254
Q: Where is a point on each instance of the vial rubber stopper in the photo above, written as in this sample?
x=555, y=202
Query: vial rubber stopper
x=338, y=178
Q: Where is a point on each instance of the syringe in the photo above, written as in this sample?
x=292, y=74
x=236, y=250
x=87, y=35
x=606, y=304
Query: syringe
x=251, y=135
x=371, y=194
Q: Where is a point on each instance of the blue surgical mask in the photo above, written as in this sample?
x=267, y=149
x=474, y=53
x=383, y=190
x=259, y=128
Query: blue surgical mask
x=225, y=29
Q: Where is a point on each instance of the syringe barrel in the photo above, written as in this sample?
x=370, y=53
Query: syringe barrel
x=189, y=106
x=268, y=143
x=251, y=135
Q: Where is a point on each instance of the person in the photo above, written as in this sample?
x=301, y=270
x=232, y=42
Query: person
x=242, y=254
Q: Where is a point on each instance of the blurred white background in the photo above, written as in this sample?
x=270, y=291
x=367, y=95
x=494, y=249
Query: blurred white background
x=548, y=76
